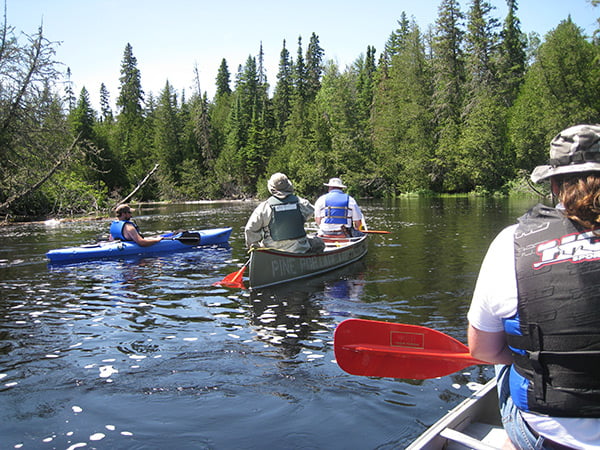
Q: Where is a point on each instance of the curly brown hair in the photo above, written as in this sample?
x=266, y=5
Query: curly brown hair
x=580, y=196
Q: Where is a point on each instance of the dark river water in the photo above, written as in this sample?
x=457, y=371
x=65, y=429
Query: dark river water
x=147, y=353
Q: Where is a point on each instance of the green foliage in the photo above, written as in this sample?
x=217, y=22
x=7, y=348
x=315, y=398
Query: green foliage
x=469, y=107
x=70, y=195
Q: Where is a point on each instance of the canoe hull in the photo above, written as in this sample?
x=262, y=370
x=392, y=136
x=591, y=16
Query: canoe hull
x=269, y=267
x=120, y=249
x=474, y=423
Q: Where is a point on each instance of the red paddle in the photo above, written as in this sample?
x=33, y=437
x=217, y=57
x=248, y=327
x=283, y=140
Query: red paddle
x=234, y=280
x=397, y=350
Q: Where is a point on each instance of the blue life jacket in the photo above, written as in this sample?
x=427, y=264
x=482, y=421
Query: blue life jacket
x=287, y=221
x=336, y=208
x=116, y=229
x=555, y=336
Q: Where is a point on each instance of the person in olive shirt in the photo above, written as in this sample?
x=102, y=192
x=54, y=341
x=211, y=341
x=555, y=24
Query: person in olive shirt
x=278, y=222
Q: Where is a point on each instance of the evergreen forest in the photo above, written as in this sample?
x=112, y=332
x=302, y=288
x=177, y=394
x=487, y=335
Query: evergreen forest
x=467, y=105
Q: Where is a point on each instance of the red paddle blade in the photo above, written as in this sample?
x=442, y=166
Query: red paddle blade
x=233, y=280
x=396, y=350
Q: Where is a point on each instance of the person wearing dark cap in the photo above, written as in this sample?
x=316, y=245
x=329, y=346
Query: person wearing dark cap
x=337, y=213
x=278, y=222
x=535, y=311
x=125, y=229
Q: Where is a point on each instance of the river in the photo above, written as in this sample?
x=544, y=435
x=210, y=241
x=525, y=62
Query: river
x=147, y=353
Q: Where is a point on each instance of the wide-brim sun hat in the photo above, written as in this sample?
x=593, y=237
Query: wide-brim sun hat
x=574, y=150
x=335, y=182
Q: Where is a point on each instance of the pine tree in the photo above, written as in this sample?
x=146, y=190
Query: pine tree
x=82, y=117
x=396, y=40
x=282, y=96
x=300, y=75
x=314, y=67
x=448, y=78
x=167, y=145
x=402, y=120
x=223, y=80
x=69, y=94
x=483, y=163
x=131, y=97
x=105, y=109
x=132, y=141
x=512, y=57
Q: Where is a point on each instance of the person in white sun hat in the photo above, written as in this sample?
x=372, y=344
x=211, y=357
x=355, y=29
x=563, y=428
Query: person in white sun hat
x=535, y=311
x=337, y=213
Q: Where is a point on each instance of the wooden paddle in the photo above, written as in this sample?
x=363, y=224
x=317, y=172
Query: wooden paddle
x=396, y=350
x=235, y=279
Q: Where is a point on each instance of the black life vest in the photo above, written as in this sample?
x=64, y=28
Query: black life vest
x=287, y=221
x=556, y=345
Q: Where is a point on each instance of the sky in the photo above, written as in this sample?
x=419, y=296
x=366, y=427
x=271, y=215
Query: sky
x=170, y=38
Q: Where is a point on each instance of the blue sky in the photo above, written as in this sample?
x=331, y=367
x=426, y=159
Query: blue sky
x=170, y=37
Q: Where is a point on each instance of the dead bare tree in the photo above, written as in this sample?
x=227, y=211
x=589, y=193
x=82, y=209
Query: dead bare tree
x=35, y=142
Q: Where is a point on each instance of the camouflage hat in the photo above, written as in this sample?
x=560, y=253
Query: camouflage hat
x=576, y=149
x=279, y=185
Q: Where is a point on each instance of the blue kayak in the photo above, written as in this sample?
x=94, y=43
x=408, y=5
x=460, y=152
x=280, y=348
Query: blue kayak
x=171, y=242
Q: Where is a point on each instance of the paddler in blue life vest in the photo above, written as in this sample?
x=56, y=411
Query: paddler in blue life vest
x=278, y=222
x=535, y=311
x=337, y=213
x=125, y=229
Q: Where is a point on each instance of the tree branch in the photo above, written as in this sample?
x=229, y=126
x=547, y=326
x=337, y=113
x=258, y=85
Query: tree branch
x=126, y=199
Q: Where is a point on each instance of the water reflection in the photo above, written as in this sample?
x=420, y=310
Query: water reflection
x=299, y=317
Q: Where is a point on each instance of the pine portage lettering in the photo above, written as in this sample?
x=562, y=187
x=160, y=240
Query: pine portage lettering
x=293, y=266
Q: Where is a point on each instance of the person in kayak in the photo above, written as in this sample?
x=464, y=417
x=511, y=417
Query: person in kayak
x=337, y=213
x=278, y=222
x=535, y=310
x=125, y=229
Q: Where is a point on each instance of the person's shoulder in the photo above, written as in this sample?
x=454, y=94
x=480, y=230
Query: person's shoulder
x=505, y=236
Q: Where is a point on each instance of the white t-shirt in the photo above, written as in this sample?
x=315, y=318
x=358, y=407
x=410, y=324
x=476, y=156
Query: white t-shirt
x=495, y=298
x=355, y=214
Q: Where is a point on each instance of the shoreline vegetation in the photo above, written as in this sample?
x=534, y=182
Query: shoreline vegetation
x=467, y=107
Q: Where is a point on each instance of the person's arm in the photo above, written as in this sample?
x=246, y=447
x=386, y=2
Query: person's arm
x=253, y=231
x=357, y=215
x=318, y=210
x=494, y=299
x=306, y=208
x=490, y=347
x=131, y=233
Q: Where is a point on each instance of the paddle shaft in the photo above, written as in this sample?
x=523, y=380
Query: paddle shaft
x=383, y=349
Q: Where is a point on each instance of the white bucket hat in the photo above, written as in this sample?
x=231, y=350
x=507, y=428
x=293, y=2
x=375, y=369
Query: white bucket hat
x=335, y=182
x=576, y=149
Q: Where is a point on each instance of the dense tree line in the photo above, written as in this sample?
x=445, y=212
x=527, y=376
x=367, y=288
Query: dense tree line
x=467, y=105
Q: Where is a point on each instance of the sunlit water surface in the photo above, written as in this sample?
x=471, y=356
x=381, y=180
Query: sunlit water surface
x=147, y=353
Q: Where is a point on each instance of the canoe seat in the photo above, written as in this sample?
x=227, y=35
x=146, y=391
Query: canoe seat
x=477, y=436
